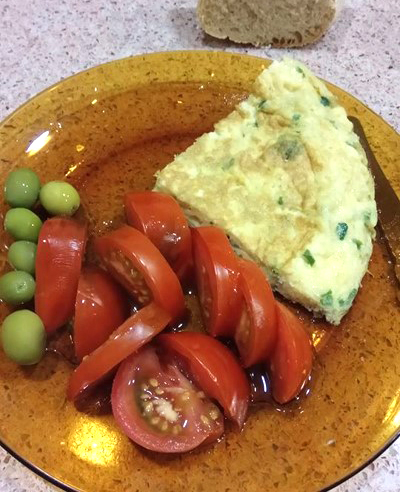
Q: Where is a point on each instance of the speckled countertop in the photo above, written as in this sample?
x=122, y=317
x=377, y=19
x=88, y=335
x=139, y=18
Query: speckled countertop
x=43, y=41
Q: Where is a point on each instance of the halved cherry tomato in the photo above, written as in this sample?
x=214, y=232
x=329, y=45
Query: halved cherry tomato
x=159, y=408
x=213, y=368
x=256, y=331
x=159, y=217
x=134, y=261
x=217, y=279
x=101, y=307
x=291, y=360
x=137, y=330
x=59, y=255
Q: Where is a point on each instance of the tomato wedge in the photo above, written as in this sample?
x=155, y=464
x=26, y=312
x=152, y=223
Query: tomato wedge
x=217, y=279
x=291, y=361
x=159, y=217
x=101, y=306
x=134, y=261
x=137, y=330
x=59, y=255
x=213, y=368
x=159, y=408
x=255, y=334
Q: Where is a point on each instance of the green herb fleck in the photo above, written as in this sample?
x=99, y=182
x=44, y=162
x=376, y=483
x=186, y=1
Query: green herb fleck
x=228, y=164
x=325, y=101
x=256, y=124
x=341, y=230
x=275, y=277
x=296, y=117
x=352, y=144
x=358, y=243
x=300, y=70
x=262, y=104
x=367, y=217
x=280, y=200
x=327, y=299
x=288, y=148
x=350, y=298
x=308, y=257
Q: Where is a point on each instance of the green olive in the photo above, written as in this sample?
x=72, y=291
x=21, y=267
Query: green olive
x=22, y=255
x=17, y=287
x=59, y=198
x=23, y=337
x=22, y=188
x=22, y=224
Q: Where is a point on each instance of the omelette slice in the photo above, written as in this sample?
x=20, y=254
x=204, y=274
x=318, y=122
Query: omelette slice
x=287, y=179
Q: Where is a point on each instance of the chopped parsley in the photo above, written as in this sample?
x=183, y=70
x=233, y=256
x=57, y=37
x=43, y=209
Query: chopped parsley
x=350, y=298
x=352, y=144
x=296, y=117
x=327, y=299
x=341, y=230
x=280, y=200
x=358, y=243
x=262, y=104
x=256, y=123
x=300, y=70
x=308, y=257
x=325, y=101
x=228, y=164
x=288, y=148
x=367, y=217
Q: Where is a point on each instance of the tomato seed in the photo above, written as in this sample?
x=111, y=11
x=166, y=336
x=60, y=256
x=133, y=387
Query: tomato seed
x=144, y=387
x=205, y=420
x=176, y=429
x=148, y=407
x=164, y=426
x=155, y=420
x=159, y=391
x=144, y=396
x=185, y=396
x=153, y=382
x=214, y=414
x=201, y=394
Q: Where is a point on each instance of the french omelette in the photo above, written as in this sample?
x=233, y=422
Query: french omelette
x=286, y=177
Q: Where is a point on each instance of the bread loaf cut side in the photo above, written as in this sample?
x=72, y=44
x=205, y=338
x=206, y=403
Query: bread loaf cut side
x=279, y=23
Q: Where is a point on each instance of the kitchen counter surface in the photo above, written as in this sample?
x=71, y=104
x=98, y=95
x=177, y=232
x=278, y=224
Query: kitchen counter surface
x=43, y=41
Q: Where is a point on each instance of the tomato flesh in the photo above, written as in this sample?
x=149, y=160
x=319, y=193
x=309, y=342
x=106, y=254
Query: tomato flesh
x=291, y=361
x=159, y=408
x=136, y=331
x=159, y=217
x=217, y=280
x=101, y=306
x=213, y=368
x=255, y=334
x=59, y=255
x=134, y=261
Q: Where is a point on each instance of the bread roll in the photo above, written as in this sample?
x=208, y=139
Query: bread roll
x=280, y=23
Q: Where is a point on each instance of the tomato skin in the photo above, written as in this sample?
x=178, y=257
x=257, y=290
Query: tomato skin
x=128, y=415
x=214, y=368
x=144, y=258
x=136, y=331
x=59, y=256
x=260, y=312
x=291, y=360
x=217, y=279
x=101, y=306
x=159, y=217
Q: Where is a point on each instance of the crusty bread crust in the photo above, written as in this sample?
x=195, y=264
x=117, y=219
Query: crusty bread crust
x=279, y=23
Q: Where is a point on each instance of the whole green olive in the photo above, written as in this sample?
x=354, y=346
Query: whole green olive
x=22, y=188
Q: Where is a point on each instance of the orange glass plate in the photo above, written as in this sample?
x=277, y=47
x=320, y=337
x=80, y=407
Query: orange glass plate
x=108, y=130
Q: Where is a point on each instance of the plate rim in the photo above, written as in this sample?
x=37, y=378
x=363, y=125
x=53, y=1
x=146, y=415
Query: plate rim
x=27, y=463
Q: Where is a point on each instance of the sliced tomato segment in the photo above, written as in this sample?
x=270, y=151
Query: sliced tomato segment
x=217, y=278
x=159, y=217
x=59, y=255
x=159, y=408
x=255, y=334
x=213, y=368
x=134, y=261
x=291, y=361
x=101, y=306
x=136, y=331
